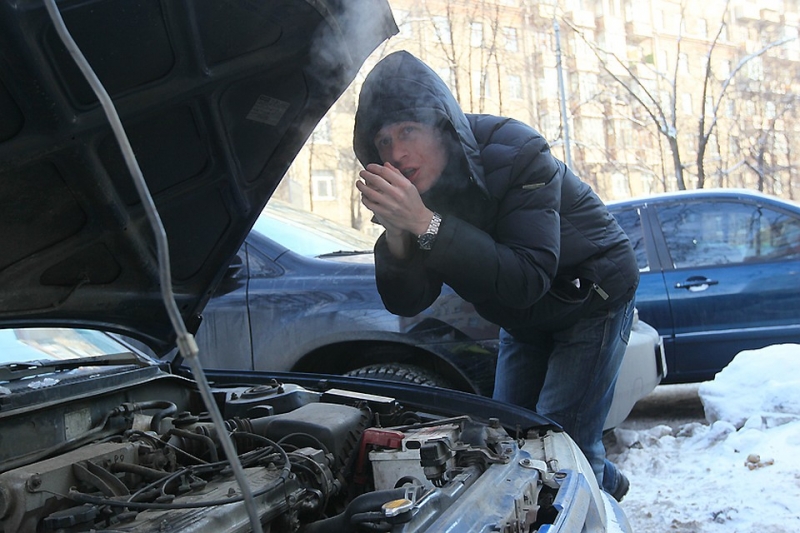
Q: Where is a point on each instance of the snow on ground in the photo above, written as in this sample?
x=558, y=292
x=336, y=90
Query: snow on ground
x=737, y=473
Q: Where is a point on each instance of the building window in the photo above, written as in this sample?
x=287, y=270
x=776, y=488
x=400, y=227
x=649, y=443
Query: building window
x=730, y=108
x=770, y=110
x=477, y=79
x=591, y=128
x=476, y=34
x=709, y=108
x=647, y=182
x=548, y=81
x=323, y=185
x=702, y=27
x=510, y=35
x=446, y=74
x=663, y=61
x=790, y=33
x=725, y=69
x=587, y=86
x=442, y=27
x=683, y=63
x=781, y=144
x=619, y=186
x=545, y=41
x=514, y=86
x=686, y=103
x=755, y=69
x=658, y=19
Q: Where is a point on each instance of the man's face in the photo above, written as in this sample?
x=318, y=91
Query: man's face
x=416, y=149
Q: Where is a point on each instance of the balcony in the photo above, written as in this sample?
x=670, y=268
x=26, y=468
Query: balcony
x=638, y=30
x=748, y=11
x=581, y=18
x=769, y=15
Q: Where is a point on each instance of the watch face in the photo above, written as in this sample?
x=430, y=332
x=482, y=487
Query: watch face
x=425, y=241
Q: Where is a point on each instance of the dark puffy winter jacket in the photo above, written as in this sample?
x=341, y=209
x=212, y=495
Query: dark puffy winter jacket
x=533, y=247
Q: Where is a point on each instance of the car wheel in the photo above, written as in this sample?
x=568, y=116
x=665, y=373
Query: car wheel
x=401, y=372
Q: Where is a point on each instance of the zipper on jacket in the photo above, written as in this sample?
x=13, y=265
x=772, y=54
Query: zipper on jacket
x=599, y=290
x=533, y=186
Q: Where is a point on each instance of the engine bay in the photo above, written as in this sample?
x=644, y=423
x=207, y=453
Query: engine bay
x=147, y=458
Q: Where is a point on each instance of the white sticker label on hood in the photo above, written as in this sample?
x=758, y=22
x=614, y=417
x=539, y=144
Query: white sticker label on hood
x=268, y=110
x=77, y=423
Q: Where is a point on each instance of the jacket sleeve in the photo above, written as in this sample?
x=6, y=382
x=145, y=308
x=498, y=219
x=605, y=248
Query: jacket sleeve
x=405, y=285
x=515, y=266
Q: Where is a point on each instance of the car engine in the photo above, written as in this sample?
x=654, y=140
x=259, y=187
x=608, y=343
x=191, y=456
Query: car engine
x=332, y=461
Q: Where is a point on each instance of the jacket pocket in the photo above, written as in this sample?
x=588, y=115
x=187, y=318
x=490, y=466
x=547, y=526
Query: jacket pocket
x=561, y=307
x=564, y=304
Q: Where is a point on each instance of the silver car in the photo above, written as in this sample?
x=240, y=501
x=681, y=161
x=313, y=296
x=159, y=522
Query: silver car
x=139, y=142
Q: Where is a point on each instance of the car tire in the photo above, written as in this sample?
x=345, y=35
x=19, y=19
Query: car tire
x=401, y=372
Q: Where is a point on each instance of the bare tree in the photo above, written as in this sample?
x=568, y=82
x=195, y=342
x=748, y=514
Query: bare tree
x=662, y=111
x=709, y=118
x=445, y=40
x=482, y=51
x=760, y=141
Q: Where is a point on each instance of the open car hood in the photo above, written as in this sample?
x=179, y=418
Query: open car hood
x=216, y=97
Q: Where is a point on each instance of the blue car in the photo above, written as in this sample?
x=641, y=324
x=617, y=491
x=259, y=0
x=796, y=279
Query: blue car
x=720, y=273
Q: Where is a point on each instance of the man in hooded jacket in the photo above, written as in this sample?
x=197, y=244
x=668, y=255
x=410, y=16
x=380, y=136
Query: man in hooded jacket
x=479, y=203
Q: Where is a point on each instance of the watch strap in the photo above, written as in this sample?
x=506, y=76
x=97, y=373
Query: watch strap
x=426, y=240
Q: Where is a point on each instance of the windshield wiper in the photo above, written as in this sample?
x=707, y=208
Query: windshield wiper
x=342, y=253
x=15, y=371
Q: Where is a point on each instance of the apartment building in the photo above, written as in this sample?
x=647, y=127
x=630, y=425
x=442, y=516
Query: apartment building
x=638, y=97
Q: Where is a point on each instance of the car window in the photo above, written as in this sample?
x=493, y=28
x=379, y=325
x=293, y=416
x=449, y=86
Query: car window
x=260, y=266
x=308, y=234
x=632, y=224
x=720, y=233
x=20, y=345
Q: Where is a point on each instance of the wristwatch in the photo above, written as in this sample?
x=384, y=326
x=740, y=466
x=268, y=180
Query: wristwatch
x=425, y=241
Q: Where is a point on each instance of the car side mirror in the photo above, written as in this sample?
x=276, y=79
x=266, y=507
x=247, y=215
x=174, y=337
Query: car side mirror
x=235, y=267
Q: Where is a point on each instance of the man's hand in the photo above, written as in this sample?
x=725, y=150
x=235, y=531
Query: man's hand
x=394, y=199
x=396, y=204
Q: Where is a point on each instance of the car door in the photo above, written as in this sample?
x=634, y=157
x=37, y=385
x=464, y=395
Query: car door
x=224, y=334
x=731, y=272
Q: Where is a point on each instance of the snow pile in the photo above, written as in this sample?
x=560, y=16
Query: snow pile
x=740, y=473
x=758, y=383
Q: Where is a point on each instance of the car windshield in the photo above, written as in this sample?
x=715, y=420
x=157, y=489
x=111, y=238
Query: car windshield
x=309, y=234
x=22, y=345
